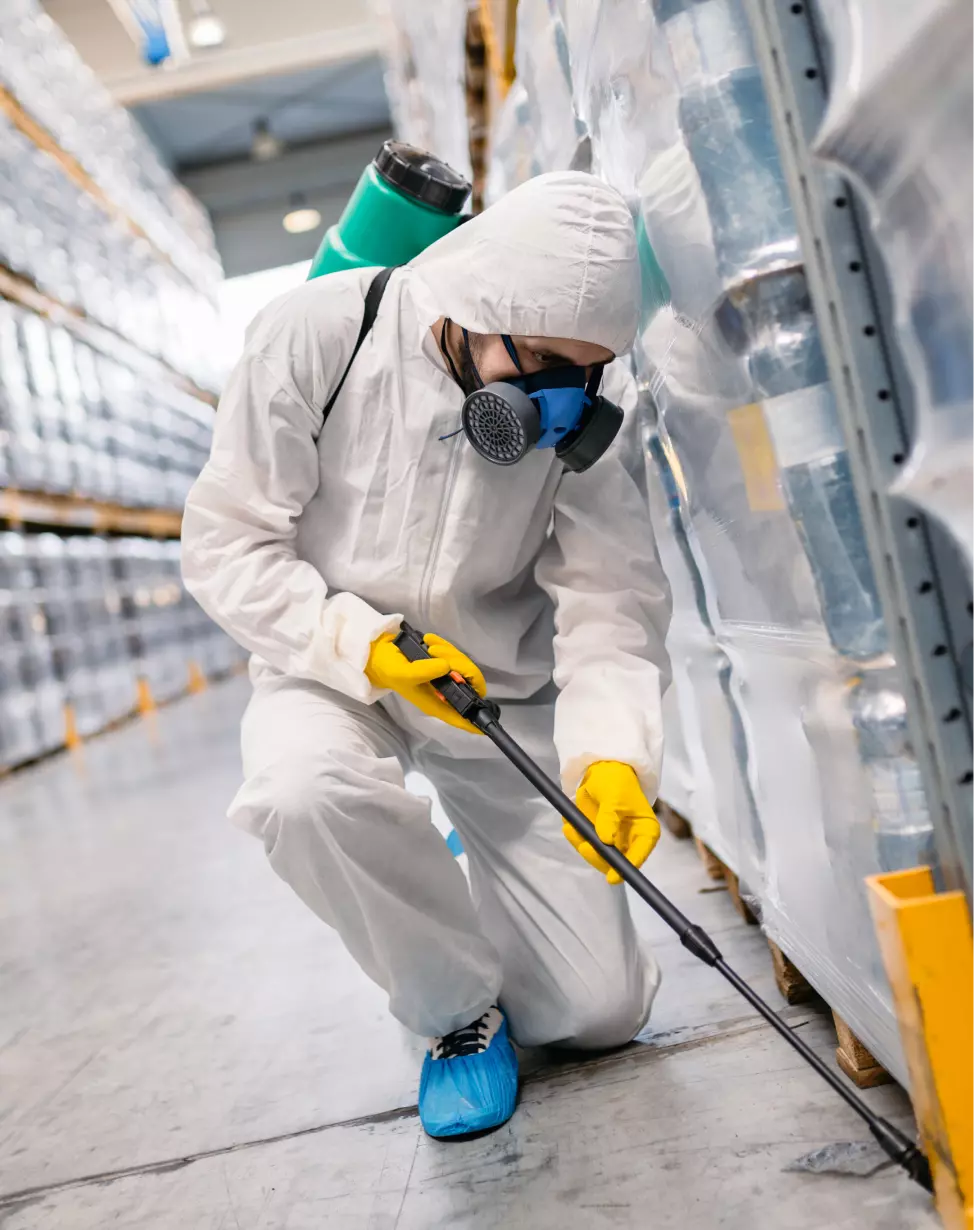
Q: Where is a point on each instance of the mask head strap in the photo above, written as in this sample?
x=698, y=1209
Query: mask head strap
x=512, y=351
x=446, y=353
x=473, y=366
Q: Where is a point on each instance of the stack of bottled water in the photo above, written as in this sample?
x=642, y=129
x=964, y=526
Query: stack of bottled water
x=75, y=420
x=91, y=217
x=82, y=619
x=61, y=238
x=31, y=695
x=44, y=72
x=87, y=210
x=803, y=777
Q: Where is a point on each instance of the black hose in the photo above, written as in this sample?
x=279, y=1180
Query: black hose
x=483, y=713
x=895, y=1144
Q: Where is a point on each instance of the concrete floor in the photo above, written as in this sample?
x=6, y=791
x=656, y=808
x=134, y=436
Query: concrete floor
x=184, y=1047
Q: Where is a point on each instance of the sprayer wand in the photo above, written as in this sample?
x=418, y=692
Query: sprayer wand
x=485, y=715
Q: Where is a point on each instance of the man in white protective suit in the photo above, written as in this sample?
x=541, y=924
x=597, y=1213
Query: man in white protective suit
x=310, y=536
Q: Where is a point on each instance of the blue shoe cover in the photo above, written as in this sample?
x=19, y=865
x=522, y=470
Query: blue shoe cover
x=473, y=1086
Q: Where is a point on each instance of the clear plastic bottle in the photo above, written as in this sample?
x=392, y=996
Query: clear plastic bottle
x=18, y=733
x=726, y=123
x=770, y=319
x=901, y=819
x=25, y=456
x=49, y=410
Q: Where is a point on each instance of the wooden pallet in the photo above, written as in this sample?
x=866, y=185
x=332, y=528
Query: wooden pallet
x=855, y=1059
x=790, y=981
x=717, y=869
x=21, y=508
x=672, y=821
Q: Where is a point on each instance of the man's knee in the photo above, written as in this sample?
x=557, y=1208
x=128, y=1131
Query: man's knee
x=293, y=797
x=607, y=1009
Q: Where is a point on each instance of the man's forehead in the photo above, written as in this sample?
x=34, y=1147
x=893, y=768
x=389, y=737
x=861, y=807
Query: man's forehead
x=582, y=353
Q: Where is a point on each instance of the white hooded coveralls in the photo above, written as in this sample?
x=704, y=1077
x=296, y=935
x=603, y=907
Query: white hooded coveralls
x=306, y=542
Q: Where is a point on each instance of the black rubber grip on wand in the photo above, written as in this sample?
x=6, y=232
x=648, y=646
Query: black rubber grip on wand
x=452, y=688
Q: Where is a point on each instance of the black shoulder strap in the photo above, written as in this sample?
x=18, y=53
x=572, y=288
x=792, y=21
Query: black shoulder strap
x=373, y=297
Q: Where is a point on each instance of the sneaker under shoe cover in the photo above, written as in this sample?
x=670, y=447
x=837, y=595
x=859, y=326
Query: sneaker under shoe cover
x=469, y=1080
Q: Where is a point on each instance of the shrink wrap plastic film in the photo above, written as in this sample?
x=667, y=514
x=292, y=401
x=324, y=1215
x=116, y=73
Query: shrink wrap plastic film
x=537, y=128
x=787, y=746
x=425, y=75
x=899, y=126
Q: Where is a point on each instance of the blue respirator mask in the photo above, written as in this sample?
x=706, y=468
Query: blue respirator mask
x=559, y=408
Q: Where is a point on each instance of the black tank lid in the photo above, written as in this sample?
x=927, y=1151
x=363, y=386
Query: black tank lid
x=421, y=176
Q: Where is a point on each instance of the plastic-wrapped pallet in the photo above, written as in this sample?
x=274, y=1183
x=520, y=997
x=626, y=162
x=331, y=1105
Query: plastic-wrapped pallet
x=425, y=75
x=149, y=594
x=899, y=124
x=790, y=714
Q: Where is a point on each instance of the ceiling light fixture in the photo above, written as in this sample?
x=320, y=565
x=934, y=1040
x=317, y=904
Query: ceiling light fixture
x=300, y=217
x=205, y=29
x=264, y=145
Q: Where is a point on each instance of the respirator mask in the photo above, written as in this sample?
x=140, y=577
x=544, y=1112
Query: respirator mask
x=559, y=408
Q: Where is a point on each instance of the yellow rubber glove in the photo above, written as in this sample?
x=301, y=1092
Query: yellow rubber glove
x=611, y=797
x=388, y=667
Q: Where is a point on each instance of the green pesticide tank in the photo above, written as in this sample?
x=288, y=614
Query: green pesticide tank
x=405, y=200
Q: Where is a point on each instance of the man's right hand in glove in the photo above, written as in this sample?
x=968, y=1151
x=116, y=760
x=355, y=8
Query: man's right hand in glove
x=388, y=667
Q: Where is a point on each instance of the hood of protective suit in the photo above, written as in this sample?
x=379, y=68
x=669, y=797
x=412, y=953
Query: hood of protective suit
x=556, y=257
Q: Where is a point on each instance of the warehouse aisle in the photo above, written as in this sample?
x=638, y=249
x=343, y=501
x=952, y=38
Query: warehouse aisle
x=184, y=1047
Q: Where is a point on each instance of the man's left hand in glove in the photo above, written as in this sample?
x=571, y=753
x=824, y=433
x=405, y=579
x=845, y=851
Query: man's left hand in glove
x=611, y=797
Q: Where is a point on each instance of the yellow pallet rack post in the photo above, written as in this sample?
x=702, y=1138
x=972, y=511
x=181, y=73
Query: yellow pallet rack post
x=925, y=939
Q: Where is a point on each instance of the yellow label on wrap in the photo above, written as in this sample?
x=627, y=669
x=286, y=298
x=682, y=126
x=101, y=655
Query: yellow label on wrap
x=758, y=462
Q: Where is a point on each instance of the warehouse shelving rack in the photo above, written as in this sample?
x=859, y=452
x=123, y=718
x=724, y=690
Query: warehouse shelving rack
x=38, y=510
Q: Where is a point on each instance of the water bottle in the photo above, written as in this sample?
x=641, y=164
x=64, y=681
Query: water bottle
x=901, y=820
x=18, y=737
x=18, y=421
x=770, y=320
x=726, y=123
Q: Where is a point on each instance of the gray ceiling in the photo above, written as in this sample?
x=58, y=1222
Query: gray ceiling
x=331, y=120
x=200, y=129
